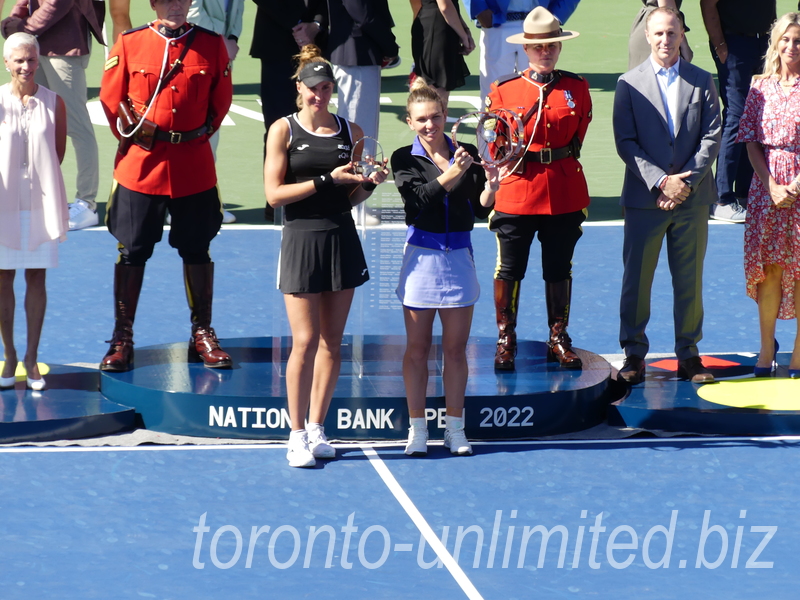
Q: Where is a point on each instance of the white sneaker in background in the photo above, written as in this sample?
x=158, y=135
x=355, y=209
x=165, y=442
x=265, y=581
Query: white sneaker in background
x=729, y=213
x=298, y=452
x=81, y=215
x=318, y=442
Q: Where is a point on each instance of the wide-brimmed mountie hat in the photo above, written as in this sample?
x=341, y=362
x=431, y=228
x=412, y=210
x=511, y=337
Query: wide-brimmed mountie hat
x=315, y=73
x=541, y=27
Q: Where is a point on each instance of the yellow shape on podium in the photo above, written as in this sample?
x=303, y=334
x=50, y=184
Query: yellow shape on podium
x=764, y=393
x=21, y=373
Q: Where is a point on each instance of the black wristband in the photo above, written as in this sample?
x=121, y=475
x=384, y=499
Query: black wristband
x=369, y=186
x=323, y=182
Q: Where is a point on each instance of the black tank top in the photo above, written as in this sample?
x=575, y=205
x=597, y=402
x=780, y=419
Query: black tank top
x=312, y=155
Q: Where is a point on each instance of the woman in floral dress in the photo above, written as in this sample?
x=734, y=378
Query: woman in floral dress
x=770, y=126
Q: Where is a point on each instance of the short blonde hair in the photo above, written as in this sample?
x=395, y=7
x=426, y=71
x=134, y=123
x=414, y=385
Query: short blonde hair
x=664, y=10
x=19, y=40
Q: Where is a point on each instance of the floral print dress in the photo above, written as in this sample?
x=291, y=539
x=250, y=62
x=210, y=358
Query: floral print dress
x=772, y=235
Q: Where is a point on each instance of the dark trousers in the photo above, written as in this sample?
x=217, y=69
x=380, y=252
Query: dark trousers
x=137, y=221
x=558, y=235
x=278, y=90
x=745, y=57
x=686, y=231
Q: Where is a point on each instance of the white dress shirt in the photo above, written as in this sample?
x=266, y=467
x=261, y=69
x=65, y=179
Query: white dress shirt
x=668, y=85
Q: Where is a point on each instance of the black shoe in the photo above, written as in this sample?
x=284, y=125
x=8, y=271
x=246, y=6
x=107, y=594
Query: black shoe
x=693, y=370
x=632, y=371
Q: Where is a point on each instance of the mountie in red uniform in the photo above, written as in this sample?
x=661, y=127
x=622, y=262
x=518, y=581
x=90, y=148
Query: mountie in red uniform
x=560, y=186
x=199, y=94
x=546, y=194
x=171, y=89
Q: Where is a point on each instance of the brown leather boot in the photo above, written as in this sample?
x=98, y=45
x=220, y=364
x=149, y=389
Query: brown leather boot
x=506, y=301
x=559, y=296
x=203, y=345
x=127, y=286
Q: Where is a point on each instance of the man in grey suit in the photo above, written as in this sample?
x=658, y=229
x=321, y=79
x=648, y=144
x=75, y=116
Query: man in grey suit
x=667, y=131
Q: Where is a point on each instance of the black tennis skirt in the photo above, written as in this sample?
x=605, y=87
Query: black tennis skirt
x=321, y=255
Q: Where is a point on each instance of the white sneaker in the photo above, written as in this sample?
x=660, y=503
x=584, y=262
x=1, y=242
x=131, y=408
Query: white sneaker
x=417, y=441
x=730, y=213
x=456, y=440
x=318, y=442
x=81, y=216
x=298, y=453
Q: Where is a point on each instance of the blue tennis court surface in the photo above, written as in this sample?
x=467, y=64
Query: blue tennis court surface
x=79, y=315
x=653, y=519
x=127, y=523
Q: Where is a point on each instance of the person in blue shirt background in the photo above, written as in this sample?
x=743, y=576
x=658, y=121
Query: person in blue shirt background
x=499, y=19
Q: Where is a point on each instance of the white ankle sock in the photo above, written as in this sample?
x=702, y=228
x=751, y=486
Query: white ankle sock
x=453, y=422
x=418, y=422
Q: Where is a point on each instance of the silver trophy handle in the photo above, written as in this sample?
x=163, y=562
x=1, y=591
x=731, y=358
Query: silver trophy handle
x=489, y=123
x=367, y=156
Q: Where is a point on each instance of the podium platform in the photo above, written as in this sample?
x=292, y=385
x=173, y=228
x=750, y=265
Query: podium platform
x=737, y=404
x=71, y=407
x=539, y=399
x=249, y=400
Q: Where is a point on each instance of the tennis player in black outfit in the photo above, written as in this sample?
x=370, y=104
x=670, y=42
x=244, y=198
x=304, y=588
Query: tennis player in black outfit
x=308, y=171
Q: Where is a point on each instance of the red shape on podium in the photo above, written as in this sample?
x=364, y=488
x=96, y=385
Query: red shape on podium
x=712, y=362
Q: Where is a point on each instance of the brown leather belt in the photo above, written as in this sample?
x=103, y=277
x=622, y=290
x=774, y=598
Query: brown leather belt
x=548, y=155
x=176, y=137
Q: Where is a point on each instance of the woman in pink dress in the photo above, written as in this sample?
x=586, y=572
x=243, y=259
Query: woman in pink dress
x=770, y=126
x=33, y=202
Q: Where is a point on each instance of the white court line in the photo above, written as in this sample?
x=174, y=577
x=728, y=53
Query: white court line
x=412, y=511
x=641, y=441
x=246, y=112
x=143, y=448
x=253, y=227
x=371, y=447
x=335, y=101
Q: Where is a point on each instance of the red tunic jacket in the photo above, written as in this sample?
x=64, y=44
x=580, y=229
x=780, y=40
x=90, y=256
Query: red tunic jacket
x=559, y=187
x=200, y=92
